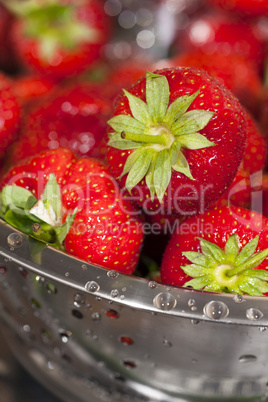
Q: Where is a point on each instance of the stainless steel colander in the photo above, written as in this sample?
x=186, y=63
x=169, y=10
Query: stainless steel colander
x=89, y=334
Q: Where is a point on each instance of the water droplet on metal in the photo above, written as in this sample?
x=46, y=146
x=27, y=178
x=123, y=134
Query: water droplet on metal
x=84, y=267
x=239, y=298
x=165, y=301
x=254, y=314
x=195, y=322
x=247, y=358
x=262, y=329
x=152, y=284
x=79, y=300
x=114, y=293
x=96, y=316
x=15, y=240
x=65, y=336
x=166, y=343
x=112, y=274
x=92, y=286
x=191, y=302
x=216, y=310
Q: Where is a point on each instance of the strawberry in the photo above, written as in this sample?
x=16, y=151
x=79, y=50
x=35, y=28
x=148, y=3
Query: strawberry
x=216, y=32
x=237, y=73
x=8, y=62
x=57, y=37
x=9, y=114
x=223, y=250
x=176, y=135
x=107, y=229
x=243, y=7
x=73, y=117
x=31, y=196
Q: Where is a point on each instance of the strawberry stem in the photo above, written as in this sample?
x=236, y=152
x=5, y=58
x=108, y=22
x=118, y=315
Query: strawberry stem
x=253, y=261
x=160, y=139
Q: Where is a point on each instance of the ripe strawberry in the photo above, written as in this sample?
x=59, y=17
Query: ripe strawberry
x=178, y=138
x=216, y=32
x=237, y=73
x=57, y=37
x=244, y=7
x=9, y=114
x=107, y=229
x=73, y=117
x=223, y=250
x=31, y=196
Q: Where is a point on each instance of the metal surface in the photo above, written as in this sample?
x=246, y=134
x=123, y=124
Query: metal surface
x=89, y=334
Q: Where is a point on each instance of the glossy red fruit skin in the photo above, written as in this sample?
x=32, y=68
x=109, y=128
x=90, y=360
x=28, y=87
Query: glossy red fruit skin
x=216, y=226
x=33, y=173
x=217, y=32
x=73, y=117
x=213, y=168
x=10, y=114
x=243, y=7
x=107, y=229
x=66, y=63
x=238, y=74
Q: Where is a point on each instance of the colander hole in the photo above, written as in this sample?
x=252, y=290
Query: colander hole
x=66, y=358
x=79, y=300
x=247, y=358
x=51, y=288
x=130, y=364
x=3, y=270
x=167, y=343
x=23, y=272
x=35, y=304
x=112, y=313
x=77, y=314
x=126, y=340
x=119, y=377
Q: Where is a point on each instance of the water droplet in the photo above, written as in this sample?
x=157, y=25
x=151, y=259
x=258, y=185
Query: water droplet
x=122, y=297
x=51, y=365
x=84, y=267
x=152, y=284
x=216, y=310
x=67, y=274
x=96, y=316
x=254, y=314
x=195, y=322
x=79, y=300
x=15, y=240
x=262, y=329
x=65, y=336
x=124, y=289
x=114, y=293
x=164, y=301
x=166, y=343
x=239, y=298
x=247, y=358
x=112, y=274
x=92, y=286
x=191, y=302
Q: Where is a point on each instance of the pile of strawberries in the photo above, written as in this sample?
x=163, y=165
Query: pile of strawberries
x=150, y=167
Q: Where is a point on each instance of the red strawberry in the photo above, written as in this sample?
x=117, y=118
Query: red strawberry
x=73, y=117
x=223, y=250
x=237, y=73
x=59, y=38
x=247, y=7
x=31, y=196
x=8, y=62
x=178, y=138
x=9, y=114
x=221, y=33
x=107, y=229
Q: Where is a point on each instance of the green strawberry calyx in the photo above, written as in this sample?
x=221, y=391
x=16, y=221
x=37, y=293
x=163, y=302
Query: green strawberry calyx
x=231, y=270
x=157, y=132
x=54, y=25
x=41, y=219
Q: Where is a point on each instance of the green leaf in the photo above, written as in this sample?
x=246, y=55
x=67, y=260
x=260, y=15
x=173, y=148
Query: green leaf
x=62, y=230
x=195, y=270
x=15, y=196
x=182, y=166
x=198, y=283
x=174, y=152
x=116, y=141
x=139, y=169
x=232, y=247
x=162, y=173
x=126, y=123
x=191, y=122
x=131, y=160
x=250, y=290
x=197, y=258
x=178, y=107
x=211, y=250
x=149, y=178
x=247, y=251
x=52, y=197
x=19, y=220
x=195, y=141
x=259, y=284
x=257, y=273
x=157, y=96
x=139, y=109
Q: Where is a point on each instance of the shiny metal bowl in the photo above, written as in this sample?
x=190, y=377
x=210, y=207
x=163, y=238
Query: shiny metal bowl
x=89, y=334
